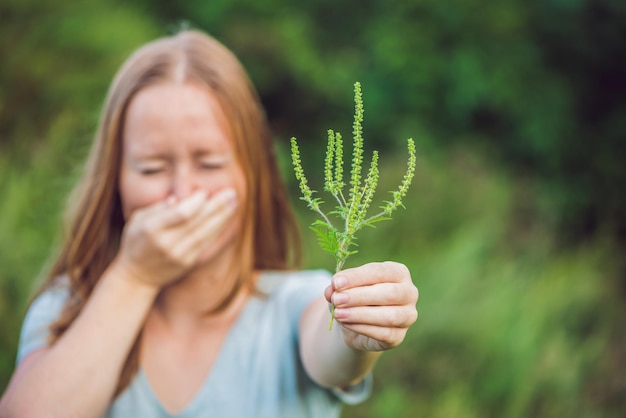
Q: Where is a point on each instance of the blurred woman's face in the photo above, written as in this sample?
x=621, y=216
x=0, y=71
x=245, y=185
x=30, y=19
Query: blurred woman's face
x=175, y=142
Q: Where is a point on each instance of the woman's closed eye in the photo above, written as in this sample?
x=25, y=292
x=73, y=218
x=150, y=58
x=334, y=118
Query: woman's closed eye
x=212, y=164
x=151, y=170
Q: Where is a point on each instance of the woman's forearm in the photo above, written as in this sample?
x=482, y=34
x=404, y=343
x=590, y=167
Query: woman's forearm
x=77, y=376
x=326, y=357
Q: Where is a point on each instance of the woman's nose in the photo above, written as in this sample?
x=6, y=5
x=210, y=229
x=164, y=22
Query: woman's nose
x=184, y=183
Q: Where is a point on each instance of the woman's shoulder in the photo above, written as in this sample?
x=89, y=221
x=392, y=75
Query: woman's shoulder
x=43, y=311
x=285, y=294
x=55, y=292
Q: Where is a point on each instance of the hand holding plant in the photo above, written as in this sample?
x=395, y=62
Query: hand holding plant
x=351, y=209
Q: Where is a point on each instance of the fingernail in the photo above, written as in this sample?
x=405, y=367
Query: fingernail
x=341, y=313
x=339, y=282
x=339, y=298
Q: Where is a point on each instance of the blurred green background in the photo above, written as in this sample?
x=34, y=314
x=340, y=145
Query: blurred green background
x=515, y=226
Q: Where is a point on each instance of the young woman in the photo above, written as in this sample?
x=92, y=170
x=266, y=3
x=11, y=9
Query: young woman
x=176, y=291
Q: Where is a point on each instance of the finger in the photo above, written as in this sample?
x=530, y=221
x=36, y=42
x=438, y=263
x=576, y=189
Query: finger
x=170, y=213
x=328, y=293
x=150, y=210
x=215, y=224
x=371, y=273
x=380, y=316
x=387, y=337
x=381, y=294
x=195, y=242
x=223, y=200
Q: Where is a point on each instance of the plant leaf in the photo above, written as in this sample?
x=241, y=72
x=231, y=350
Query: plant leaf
x=326, y=236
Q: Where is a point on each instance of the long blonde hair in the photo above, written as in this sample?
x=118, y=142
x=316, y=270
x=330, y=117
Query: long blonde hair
x=94, y=221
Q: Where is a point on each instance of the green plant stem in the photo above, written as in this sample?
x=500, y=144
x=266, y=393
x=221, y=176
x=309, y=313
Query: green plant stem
x=338, y=266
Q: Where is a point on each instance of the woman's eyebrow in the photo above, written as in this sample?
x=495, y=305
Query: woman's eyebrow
x=142, y=156
x=211, y=152
x=143, y=153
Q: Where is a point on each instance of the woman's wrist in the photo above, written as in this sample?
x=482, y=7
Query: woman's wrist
x=130, y=282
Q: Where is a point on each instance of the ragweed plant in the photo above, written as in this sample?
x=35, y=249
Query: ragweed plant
x=351, y=209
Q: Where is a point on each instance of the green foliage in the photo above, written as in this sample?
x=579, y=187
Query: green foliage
x=351, y=210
